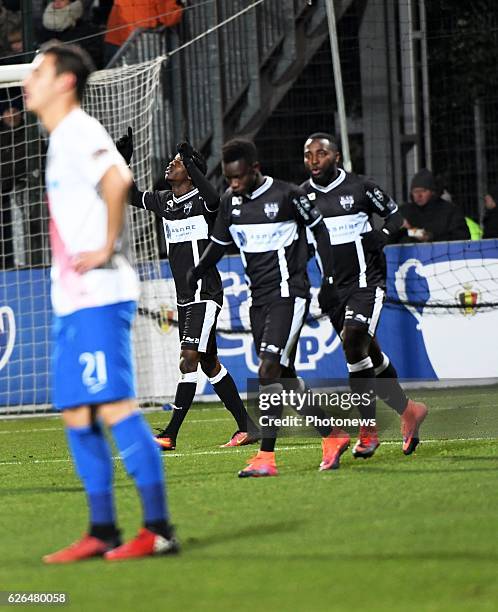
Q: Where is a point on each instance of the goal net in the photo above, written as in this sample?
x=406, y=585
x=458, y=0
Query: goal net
x=118, y=98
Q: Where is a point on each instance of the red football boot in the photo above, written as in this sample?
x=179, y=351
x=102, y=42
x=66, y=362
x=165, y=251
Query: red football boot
x=145, y=544
x=411, y=419
x=333, y=447
x=86, y=548
x=367, y=443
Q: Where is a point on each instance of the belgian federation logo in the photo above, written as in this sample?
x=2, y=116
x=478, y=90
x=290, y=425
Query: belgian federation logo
x=187, y=207
x=347, y=202
x=271, y=210
x=468, y=298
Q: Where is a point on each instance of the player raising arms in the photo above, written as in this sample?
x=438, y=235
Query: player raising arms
x=266, y=218
x=347, y=203
x=94, y=294
x=188, y=212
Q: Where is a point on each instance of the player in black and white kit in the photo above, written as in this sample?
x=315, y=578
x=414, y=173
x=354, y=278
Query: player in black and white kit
x=188, y=212
x=266, y=219
x=347, y=203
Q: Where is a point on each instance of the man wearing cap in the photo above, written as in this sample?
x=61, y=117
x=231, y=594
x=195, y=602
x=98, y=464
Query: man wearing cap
x=428, y=217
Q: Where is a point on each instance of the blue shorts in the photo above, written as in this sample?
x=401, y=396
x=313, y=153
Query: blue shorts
x=91, y=357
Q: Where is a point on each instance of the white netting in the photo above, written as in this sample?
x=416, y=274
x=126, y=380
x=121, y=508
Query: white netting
x=118, y=98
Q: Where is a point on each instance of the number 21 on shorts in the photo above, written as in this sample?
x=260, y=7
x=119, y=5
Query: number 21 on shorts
x=94, y=375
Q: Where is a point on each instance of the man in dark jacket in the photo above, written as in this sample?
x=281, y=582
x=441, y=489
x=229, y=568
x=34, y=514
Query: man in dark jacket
x=429, y=218
x=490, y=219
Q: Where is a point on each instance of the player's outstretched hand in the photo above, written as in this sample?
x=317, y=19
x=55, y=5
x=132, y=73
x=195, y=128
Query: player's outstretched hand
x=327, y=297
x=125, y=145
x=83, y=262
x=193, y=277
x=186, y=150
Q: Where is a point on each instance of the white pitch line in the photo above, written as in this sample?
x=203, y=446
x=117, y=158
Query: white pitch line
x=61, y=429
x=242, y=449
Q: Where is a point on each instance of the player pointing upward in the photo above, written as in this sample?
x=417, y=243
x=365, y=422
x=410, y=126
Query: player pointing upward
x=94, y=293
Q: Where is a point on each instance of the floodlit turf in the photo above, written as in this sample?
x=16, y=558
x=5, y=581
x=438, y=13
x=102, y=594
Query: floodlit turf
x=392, y=533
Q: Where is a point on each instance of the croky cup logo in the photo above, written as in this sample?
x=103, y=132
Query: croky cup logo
x=7, y=334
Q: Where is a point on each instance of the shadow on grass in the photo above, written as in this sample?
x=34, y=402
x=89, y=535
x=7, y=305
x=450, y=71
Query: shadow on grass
x=250, y=531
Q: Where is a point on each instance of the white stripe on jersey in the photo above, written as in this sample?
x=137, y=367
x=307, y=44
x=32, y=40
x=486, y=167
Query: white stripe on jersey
x=186, y=230
x=297, y=323
x=347, y=228
x=195, y=254
x=284, y=273
x=374, y=319
x=362, y=277
x=264, y=237
x=207, y=325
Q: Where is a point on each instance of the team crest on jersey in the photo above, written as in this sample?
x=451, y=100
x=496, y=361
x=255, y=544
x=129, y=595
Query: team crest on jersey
x=312, y=196
x=347, y=202
x=236, y=200
x=271, y=210
x=187, y=207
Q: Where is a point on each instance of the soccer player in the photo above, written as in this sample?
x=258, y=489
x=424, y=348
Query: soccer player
x=347, y=203
x=188, y=212
x=94, y=294
x=266, y=218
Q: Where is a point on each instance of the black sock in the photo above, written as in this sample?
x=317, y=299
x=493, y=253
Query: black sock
x=269, y=432
x=388, y=388
x=162, y=528
x=310, y=408
x=185, y=393
x=104, y=531
x=226, y=390
x=362, y=382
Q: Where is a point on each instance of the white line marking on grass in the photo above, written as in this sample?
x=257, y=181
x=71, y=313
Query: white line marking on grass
x=61, y=428
x=242, y=449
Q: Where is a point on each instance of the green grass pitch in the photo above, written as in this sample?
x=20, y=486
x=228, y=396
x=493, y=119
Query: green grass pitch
x=392, y=533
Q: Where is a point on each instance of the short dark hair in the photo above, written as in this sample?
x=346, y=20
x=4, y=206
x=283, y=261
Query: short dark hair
x=199, y=161
x=240, y=149
x=325, y=136
x=70, y=58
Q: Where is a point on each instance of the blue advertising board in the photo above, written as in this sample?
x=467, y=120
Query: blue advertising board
x=440, y=321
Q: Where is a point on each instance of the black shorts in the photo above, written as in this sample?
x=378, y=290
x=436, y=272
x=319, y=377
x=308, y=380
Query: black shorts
x=197, y=326
x=358, y=306
x=276, y=328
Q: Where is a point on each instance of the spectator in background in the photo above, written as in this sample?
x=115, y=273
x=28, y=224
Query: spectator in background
x=61, y=15
x=128, y=15
x=428, y=217
x=9, y=21
x=490, y=219
x=12, y=171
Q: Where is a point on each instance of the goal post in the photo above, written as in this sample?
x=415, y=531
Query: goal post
x=118, y=98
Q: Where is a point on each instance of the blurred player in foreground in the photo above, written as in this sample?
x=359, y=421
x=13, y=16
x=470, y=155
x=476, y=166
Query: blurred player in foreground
x=188, y=212
x=347, y=203
x=94, y=294
x=266, y=218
